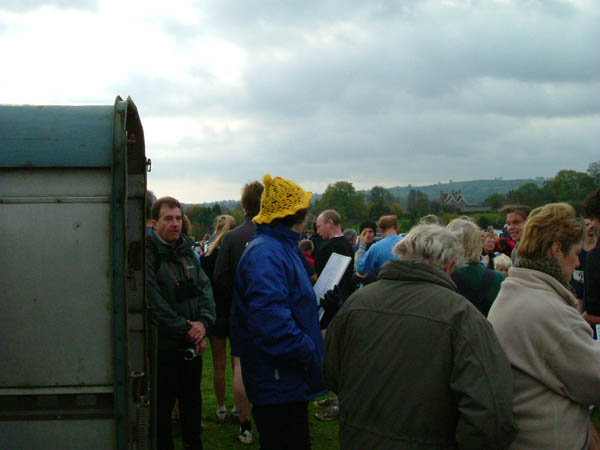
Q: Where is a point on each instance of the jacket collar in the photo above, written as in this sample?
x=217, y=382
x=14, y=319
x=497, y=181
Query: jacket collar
x=280, y=232
x=182, y=245
x=415, y=271
x=535, y=277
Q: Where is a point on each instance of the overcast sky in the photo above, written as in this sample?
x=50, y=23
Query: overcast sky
x=373, y=92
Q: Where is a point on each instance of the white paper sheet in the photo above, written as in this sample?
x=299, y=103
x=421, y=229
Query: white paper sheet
x=330, y=276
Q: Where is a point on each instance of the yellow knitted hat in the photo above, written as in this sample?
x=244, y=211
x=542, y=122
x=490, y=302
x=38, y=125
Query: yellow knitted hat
x=281, y=197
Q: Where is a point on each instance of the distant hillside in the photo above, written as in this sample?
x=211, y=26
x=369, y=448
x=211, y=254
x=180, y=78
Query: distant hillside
x=474, y=192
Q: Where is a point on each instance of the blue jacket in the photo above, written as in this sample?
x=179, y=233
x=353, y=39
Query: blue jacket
x=379, y=253
x=275, y=326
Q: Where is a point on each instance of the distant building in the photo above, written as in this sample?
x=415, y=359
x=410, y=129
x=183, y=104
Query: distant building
x=456, y=200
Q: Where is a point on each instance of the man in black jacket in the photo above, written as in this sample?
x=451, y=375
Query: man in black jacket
x=591, y=207
x=329, y=227
x=233, y=245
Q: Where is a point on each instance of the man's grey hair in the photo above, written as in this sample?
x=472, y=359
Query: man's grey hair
x=431, y=244
x=470, y=237
x=350, y=235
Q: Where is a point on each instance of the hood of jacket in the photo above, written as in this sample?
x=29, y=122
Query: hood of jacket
x=278, y=231
x=415, y=271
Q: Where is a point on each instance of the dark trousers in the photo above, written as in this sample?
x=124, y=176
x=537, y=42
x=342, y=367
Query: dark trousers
x=282, y=427
x=179, y=379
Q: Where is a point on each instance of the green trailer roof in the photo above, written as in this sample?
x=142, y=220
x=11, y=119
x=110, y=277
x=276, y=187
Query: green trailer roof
x=59, y=136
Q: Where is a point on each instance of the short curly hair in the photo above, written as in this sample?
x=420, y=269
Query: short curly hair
x=169, y=201
x=591, y=205
x=431, y=244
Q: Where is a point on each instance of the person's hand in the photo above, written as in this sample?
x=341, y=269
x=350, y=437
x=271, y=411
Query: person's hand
x=197, y=332
x=363, y=236
x=592, y=320
x=200, y=347
x=331, y=300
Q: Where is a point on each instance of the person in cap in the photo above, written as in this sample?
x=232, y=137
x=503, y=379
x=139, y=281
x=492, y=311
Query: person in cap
x=367, y=232
x=365, y=241
x=275, y=325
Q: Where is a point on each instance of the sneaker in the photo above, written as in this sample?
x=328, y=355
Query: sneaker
x=330, y=413
x=221, y=414
x=325, y=403
x=235, y=415
x=245, y=436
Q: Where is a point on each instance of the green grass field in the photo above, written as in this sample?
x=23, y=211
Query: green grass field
x=216, y=436
x=324, y=435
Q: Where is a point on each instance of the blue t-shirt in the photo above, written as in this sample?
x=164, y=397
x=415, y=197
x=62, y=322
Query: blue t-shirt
x=378, y=255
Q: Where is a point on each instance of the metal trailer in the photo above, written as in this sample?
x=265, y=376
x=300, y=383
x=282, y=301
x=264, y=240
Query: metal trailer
x=75, y=337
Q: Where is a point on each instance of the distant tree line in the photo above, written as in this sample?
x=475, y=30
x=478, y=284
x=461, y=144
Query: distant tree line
x=203, y=218
x=355, y=207
x=567, y=186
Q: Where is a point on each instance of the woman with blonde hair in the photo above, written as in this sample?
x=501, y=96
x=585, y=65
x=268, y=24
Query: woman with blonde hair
x=477, y=283
x=554, y=358
x=218, y=332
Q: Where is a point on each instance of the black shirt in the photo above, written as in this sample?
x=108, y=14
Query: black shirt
x=592, y=281
x=233, y=245
x=341, y=246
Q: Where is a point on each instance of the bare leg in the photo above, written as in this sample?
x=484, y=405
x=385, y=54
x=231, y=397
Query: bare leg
x=219, y=355
x=239, y=391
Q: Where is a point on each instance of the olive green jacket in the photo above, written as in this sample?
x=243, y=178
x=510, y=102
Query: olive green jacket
x=161, y=284
x=416, y=366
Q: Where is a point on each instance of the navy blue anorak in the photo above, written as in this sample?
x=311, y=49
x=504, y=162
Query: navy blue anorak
x=275, y=326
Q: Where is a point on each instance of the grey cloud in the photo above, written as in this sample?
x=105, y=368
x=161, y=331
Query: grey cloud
x=426, y=62
x=516, y=98
x=497, y=91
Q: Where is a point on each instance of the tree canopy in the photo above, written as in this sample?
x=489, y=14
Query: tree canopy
x=342, y=197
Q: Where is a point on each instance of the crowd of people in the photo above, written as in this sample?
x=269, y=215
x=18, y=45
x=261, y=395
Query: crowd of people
x=446, y=337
